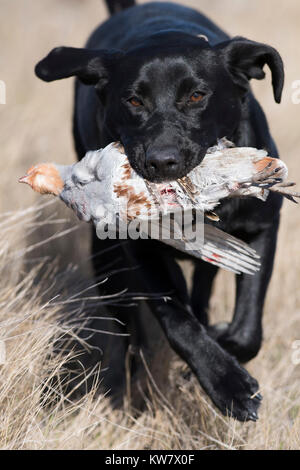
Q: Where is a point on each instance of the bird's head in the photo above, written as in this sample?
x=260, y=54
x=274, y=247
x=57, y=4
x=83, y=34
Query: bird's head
x=44, y=178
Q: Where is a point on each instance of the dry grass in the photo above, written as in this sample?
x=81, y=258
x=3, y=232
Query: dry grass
x=35, y=123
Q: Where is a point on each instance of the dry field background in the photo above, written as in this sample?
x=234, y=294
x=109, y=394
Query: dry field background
x=35, y=126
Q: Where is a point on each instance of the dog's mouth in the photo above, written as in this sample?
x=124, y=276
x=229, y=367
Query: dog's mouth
x=167, y=194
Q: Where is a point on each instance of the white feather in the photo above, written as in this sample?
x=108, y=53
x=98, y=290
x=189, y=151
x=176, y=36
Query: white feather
x=103, y=185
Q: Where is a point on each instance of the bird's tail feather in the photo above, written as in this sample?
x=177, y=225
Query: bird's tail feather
x=215, y=247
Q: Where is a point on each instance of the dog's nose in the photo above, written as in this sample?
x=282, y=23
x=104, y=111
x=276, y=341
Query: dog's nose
x=163, y=163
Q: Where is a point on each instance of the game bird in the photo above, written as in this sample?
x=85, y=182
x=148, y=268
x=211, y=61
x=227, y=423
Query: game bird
x=104, y=189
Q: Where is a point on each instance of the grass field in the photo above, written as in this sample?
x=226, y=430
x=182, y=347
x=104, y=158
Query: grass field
x=35, y=126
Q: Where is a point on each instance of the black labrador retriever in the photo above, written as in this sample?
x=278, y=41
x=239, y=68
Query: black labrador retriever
x=167, y=82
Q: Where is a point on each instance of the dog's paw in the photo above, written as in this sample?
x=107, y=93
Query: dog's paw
x=236, y=394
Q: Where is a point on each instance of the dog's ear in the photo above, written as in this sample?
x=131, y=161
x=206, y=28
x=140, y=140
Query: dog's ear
x=245, y=59
x=88, y=65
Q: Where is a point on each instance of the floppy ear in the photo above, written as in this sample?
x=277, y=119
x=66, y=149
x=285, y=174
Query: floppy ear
x=245, y=59
x=88, y=65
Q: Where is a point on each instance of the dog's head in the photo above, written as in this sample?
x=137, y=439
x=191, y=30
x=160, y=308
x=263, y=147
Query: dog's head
x=170, y=98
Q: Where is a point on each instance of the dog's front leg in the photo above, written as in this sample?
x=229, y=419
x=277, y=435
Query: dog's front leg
x=230, y=386
x=203, y=279
x=243, y=336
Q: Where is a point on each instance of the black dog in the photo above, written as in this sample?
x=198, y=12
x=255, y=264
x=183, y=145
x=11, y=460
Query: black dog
x=149, y=78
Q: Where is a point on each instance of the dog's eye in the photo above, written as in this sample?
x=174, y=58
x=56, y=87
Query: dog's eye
x=196, y=97
x=135, y=102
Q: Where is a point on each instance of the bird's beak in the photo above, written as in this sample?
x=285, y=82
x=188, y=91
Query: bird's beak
x=25, y=179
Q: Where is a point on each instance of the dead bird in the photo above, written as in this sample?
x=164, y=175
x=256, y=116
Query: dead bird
x=103, y=187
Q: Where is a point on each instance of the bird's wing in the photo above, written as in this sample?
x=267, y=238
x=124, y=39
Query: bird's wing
x=208, y=243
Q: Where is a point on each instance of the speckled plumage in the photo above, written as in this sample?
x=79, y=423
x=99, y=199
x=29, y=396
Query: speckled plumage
x=103, y=187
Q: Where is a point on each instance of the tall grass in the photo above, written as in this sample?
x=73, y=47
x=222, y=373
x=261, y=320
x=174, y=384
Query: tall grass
x=38, y=311
x=41, y=319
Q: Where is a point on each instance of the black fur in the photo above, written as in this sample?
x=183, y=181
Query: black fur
x=147, y=65
x=114, y=6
